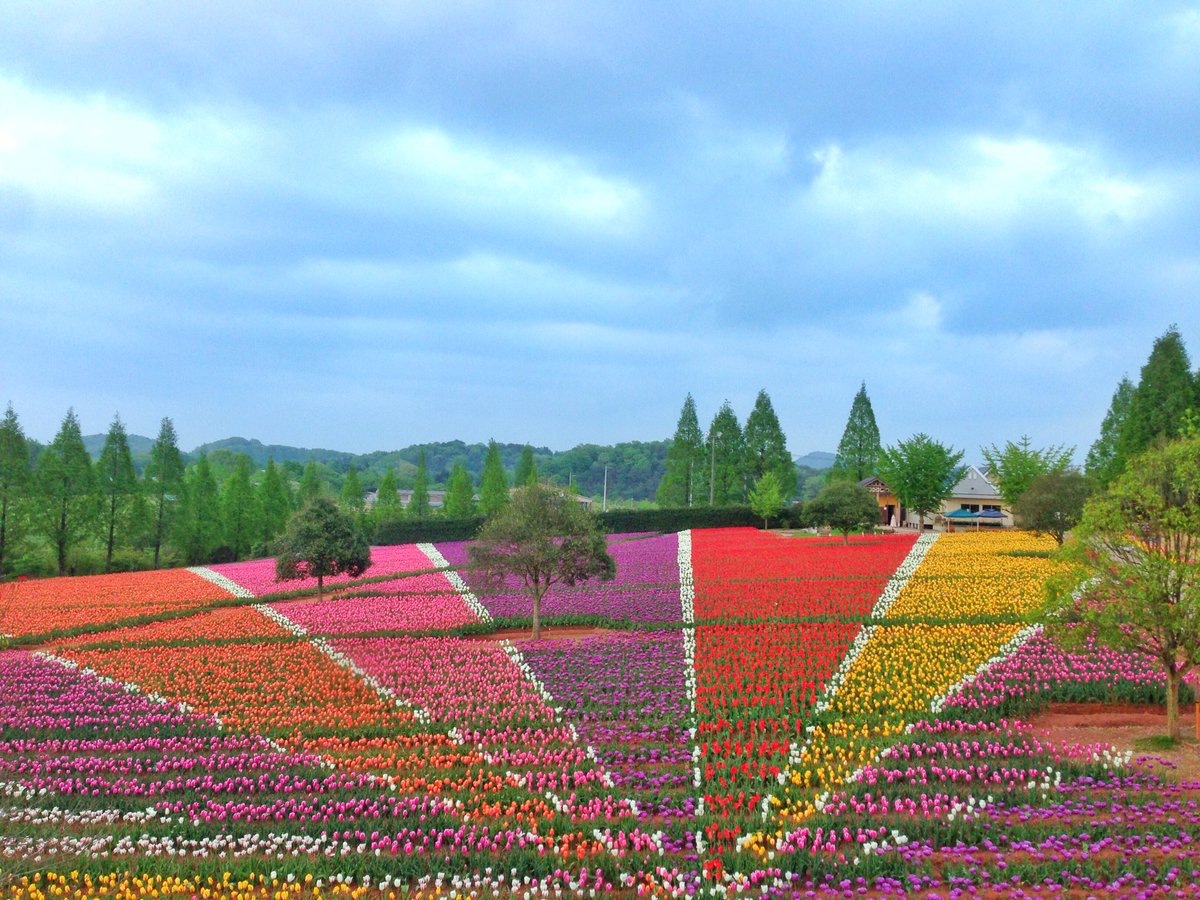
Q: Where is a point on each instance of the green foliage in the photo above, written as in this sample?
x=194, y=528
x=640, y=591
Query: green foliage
x=460, y=494
x=387, y=496
x=1013, y=468
x=66, y=490
x=418, y=506
x=321, y=540
x=859, y=449
x=163, y=479
x=1053, y=503
x=274, y=504
x=352, y=491
x=117, y=483
x=1104, y=460
x=1166, y=391
x=493, y=486
x=766, y=497
x=626, y=521
x=541, y=538
x=683, y=470
x=766, y=447
x=527, y=472
x=844, y=506
x=921, y=472
x=405, y=530
x=198, y=525
x=724, y=478
x=240, y=512
x=1135, y=579
x=310, y=484
x=15, y=485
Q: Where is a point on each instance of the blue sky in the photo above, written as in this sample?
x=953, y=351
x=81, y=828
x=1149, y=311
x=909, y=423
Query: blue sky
x=367, y=225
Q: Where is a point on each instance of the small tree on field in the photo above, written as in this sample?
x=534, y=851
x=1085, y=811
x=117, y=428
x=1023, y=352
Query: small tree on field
x=1135, y=583
x=541, y=538
x=844, y=506
x=321, y=540
x=1013, y=467
x=1053, y=503
x=922, y=472
x=766, y=497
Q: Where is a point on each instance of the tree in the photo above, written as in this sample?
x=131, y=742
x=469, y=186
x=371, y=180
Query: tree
x=419, y=504
x=1053, y=503
x=859, y=449
x=310, y=484
x=460, y=493
x=1135, y=582
x=274, y=503
x=164, y=480
x=527, y=472
x=766, y=497
x=921, y=472
x=15, y=477
x=541, y=538
x=1014, y=468
x=684, y=471
x=724, y=478
x=387, y=497
x=844, y=506
x=766, y=447
x=117, y=484
x=1104, y=461
x=1167, y=390
x=239, y=512
x=321, y=540
x=199, y=520
x=493, y=484
x=66, y=488
x=352, y=492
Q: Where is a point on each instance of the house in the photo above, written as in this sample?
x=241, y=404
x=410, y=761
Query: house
x=891, y=512
x=437, y=499
x=975, y=493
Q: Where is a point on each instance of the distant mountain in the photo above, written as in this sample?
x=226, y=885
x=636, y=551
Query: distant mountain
x=818, y=459
x=260, y=452
x=139, y=447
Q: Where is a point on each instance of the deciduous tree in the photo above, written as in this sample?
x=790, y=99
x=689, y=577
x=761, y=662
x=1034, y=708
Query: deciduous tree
x=725, y=476
x=321, y=540
x=239, y=511
x=117, y=483
x=1104, y=460
x=199, y=520
x=310, y=484
x=766, y=447
x=419, y=504
x=460, y=493
x=66, y=490
x=527, y=472
x=859, y=449
x=684, y=471
x=1014, y=467
x=1166, y=391
x=922, y=472
x=274, y=503
x=1053, y=503
x=352, y=493
x=541, y=538
x=387, y=497
x=493, y=484
x=766, y=497
x=844, y=506
x=164, y=484
x=15, y=483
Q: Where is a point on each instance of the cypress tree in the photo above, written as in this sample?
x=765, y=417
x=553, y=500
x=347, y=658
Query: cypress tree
x=66, y=487
x=164, y=480
x=419, y=504
x=117, y=484
x=1104, y=460
x=766, y=447
x=239, y=515
x=859, y=449
x=493, y=483
x=527, y=472
x=460, y=493
x=684, y=474
x=15, y=482
x=1166, y=392
x=725, y=455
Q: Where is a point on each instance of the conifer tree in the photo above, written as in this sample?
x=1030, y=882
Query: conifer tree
x=766, y=447
x=387, y=496
x=460, y=493
x=164, y=484
x=684, y=474
x=117, y=482
x=310, y=484
x=493, y=483
x=1166, y=392
x=66, y=490
x=859, y=449
x=274, y=503
x=239, y=512
x=352, y=493
x=527, y=472
x=419, y=504
x=1104, y=460
x=199, y=520
x=725, y=477
x=15, y=483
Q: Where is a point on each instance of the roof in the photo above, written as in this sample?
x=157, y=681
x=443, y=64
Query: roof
x=975, y=484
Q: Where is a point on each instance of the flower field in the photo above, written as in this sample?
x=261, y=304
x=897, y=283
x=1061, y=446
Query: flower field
x=737, y=712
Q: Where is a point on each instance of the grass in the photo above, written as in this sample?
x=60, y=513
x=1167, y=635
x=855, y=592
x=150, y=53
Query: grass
x=1156, y=742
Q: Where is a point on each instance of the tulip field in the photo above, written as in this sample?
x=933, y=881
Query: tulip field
x=737, y=712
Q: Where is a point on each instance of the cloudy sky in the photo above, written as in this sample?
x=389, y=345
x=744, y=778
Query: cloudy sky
x=366, y=225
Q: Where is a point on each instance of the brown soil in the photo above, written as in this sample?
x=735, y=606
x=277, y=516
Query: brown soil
x=1120, y=725
x=549, y=633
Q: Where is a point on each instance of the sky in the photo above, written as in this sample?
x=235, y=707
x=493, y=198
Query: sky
x=366, y=225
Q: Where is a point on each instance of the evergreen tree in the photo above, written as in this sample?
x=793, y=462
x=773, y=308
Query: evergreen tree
x=493, y=483
x=1164, y=395
x=725, y=455
x=239, y=512
x=66, y=490
x=117, y=483
x=274, y=503
x=460, y=493
x=527, y=472
x=352, y=492
x=766, y=447
x=858, y=451
x=164, y=484
x=419, y=504
x=199, y=519
x=15, y=483
x=310, y=484
x=387, y=497
x=684, y=473
x=1104, y=460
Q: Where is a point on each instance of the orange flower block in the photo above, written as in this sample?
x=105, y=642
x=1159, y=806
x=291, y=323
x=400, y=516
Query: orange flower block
x=222, y=624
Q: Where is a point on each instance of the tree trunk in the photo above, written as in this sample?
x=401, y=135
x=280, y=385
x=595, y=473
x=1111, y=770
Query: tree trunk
x=845, y=538
x=537, y=614
x=158, y=528
x=61, y=540
x=1172, y=703
x=320, y=588
x=112, y=531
